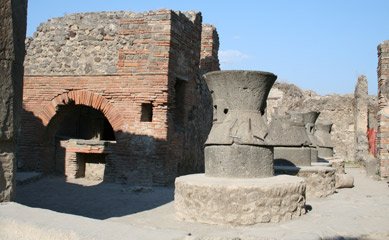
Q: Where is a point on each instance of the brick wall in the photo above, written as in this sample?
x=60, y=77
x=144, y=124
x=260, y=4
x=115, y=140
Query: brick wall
x=383, y=113
x=140, y=58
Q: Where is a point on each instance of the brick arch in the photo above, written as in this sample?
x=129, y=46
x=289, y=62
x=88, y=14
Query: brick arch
x=82, y=97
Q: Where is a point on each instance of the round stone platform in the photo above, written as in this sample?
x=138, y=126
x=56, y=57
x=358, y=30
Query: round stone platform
x=238, y=201
x=320, y=180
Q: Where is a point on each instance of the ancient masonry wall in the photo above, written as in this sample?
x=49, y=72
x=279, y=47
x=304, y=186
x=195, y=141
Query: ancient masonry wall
x=338, y=109
x=118, y=62
x=383, y=113
x=12, y=34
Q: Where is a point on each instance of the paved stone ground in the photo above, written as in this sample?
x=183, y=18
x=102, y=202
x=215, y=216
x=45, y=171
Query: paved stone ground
x=122, y=212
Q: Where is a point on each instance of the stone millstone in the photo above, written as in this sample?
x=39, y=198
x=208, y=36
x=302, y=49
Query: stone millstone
x=236, y=145
x=238, y=161
x=199, y=198
x=292, y=156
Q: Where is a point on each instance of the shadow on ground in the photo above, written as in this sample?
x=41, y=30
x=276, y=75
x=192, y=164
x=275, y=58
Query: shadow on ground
x=101, y=201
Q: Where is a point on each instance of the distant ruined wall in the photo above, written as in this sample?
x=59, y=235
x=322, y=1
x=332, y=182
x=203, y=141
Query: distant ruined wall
x=338, y=109
x=383, y=113
x=12, y=34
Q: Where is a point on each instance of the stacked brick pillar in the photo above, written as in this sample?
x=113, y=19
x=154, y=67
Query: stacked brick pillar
x=383, y=114
x=12, y=34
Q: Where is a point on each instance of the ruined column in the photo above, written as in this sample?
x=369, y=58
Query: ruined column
x=383, y=113
x=360, y=119
x=12, y=35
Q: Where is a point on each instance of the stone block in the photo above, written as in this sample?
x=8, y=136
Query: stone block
x=199, y=198
x=297, y=156
x=320, y=180
x=7, y=182
x=325, y=152
x=344, y=181
x=241, y=161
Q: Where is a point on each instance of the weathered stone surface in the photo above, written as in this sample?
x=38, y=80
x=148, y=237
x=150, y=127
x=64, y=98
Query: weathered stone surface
x=324, y=141
x=338, y=164
x=199, y=198
x=361, y=119
x=383, y=102
x=320, y=180
x=12, y=34
x=288, y=131
x=292, y=156
x=85, y=43
x=344, y=181
x=334, y=108
x=238, y=161
x=290, y=140
x=314, y=154
x=309, y=119
x=236, y=145
x=325, y=152
x=239, y=101
x=7, y=171
x=372, y=166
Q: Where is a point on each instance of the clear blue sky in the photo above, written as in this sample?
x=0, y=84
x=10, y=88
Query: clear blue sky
x=318, y=45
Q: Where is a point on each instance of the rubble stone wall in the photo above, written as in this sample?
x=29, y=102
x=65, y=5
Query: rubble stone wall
x=12, y=34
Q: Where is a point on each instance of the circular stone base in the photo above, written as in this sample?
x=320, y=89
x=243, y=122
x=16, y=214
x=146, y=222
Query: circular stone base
x=320, y=180
x=237, y=201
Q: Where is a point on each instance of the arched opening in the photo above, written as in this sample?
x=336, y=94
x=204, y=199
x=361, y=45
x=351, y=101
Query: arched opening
x=81, y=122
x=81, y=137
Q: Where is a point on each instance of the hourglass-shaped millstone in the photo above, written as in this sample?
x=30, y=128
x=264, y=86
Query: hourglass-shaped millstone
x=290, y=140
x=236, y=145
x=324, y=142
x=309, y=120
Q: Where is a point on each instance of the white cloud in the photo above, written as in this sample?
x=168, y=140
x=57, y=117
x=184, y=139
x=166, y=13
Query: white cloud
x=232, y=57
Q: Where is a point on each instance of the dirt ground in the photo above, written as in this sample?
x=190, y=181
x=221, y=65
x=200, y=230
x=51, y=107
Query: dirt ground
x=52, y=208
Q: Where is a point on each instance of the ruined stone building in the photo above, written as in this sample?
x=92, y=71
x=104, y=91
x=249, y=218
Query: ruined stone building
x=341, y=110
x=118, y=96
